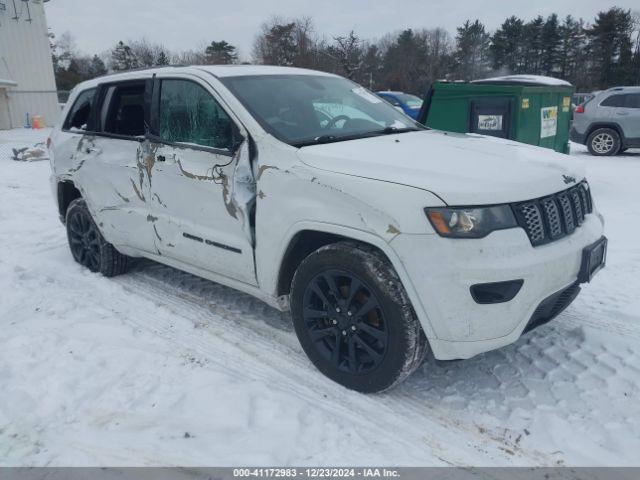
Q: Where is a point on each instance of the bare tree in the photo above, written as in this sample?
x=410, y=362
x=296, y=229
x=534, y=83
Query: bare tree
x=347, y=51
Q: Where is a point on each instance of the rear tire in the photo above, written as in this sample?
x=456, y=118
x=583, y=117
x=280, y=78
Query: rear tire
x=88, y=246
x=603, y=142
x=353, y=318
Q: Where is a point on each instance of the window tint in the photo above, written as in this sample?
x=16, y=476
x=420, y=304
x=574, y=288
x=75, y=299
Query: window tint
x=632, y=100
x=189, y=114
x=613, y=101
x=79, y=114
x=123, y=110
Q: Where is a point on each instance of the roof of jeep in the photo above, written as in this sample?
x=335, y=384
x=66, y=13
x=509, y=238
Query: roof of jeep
x=215, y=70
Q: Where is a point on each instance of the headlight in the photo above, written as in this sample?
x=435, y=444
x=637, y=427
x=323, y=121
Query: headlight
x=460, y=222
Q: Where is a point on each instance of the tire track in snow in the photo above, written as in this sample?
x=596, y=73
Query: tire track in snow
x=196, y=300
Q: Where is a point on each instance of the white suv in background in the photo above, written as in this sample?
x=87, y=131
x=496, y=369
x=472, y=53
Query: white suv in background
x=383, y=238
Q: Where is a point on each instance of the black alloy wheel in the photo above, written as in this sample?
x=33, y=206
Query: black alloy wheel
x=345, y=321
x=84, y=240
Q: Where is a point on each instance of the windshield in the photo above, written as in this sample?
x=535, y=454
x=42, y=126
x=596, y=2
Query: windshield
x=307, y=109
x=410, y=101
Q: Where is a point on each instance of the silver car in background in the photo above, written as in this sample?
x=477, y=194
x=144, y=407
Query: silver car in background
x=609, y=122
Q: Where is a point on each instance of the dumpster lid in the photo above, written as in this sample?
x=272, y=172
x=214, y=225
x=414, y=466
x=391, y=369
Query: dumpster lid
x=535, y=80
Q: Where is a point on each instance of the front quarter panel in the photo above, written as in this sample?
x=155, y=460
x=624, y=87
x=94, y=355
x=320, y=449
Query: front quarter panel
x=302, y=198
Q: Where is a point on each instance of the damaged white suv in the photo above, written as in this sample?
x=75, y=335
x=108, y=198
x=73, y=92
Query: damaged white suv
x=385, y=239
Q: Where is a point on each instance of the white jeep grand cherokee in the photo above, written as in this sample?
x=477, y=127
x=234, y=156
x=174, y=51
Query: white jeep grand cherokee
x=309, y=192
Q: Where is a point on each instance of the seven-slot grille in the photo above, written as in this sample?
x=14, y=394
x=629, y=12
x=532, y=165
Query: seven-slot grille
x=550, y=218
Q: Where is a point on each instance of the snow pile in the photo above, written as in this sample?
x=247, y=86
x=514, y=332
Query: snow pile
x=158, y=367
x=527, y=79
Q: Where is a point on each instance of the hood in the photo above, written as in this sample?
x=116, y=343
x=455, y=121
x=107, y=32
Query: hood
x=462, y=169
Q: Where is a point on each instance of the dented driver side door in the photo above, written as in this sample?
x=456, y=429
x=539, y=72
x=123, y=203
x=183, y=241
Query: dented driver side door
x=200, y=213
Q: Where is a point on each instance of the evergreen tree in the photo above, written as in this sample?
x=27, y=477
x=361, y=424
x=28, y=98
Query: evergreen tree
x=122, y=58
x=162, y=59
x=550, y=55
x=506, y=46
x=571, y=52
x=97, y=67
x=471, y=56
x=220, y=53
x=610, y=48
x=532, y=47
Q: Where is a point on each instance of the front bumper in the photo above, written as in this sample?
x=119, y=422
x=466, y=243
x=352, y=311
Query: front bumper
x=443, y=270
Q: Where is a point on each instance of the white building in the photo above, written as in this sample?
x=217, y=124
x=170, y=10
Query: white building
x=27, y=83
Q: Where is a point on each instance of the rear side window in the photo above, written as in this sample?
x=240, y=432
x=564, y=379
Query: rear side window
x=189, y=114
x=632, y=100
x=614, y=101
x=123, y=110
x=79, y=114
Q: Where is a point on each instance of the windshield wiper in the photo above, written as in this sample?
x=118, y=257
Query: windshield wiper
x=354, y=136
x=391, y=130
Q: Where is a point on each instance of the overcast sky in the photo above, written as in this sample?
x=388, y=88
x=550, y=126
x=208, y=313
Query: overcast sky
x=180, y=25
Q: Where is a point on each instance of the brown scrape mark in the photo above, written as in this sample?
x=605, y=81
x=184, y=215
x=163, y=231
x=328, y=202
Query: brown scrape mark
x=261, y=194
x=226, y=197
x=151, y=218
x=192, y=176
x=393, y=230
x=150, y=160
x=138, y=192
x=263, y=168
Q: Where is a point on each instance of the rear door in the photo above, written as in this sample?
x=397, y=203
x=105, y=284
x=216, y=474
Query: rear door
x=609, y=107
x=114, y=177
x=198, y=216
x=629, y=117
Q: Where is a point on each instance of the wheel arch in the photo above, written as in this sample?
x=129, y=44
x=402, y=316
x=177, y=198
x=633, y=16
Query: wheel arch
x=306, y=237
x=612, y=125
x=66, y=193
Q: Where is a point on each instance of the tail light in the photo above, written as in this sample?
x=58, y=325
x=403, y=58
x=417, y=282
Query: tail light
x=579, y=109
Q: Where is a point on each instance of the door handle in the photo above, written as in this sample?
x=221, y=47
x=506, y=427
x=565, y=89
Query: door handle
x=92, y=150
x=622, y=113
x=161, y=158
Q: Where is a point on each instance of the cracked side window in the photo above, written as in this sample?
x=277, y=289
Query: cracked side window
x=190, y=115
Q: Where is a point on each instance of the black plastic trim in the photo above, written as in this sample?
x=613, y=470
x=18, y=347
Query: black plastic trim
x=211, y=243
x=495, y=292
x=552, y=306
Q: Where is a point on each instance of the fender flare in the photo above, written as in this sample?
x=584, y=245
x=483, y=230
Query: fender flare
x=364, y=237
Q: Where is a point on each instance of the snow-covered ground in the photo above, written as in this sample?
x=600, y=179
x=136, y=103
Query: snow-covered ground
x=158, y=367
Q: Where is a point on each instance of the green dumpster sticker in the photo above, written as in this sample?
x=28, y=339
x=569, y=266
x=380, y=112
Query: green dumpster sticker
x=548, y=121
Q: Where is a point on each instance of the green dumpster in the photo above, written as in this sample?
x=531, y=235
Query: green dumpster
x=525, y=108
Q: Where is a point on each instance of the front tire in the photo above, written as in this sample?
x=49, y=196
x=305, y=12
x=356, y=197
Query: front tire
x=353, y=318
x=603, y=142
x=88, y=246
